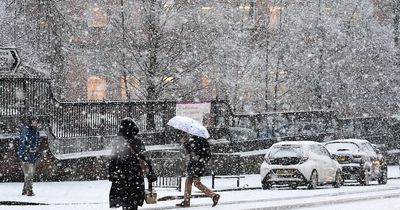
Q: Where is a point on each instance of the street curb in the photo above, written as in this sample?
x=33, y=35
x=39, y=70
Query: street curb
x=178, y=197
x=19, y=203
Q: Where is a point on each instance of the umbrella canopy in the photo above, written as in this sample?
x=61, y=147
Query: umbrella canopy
x=189, y=125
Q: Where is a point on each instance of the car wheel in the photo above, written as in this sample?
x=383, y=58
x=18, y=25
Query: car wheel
x=338, y=179
x=383, y=178
x=365, y=178
x=293, y=186
x=313, y=183
x=266, y=186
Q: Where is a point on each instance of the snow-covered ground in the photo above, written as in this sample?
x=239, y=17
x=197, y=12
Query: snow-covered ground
x=93, y=195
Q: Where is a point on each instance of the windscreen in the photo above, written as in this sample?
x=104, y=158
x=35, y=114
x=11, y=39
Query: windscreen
x=286, y=151
x=342, y=147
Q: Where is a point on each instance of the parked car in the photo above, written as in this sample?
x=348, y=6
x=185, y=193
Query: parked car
x=359, y=160
x=297, y=163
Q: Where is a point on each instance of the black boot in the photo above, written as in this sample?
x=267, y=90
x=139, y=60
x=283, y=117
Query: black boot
x=130, y=208
x=183, y=204
x=215, y=199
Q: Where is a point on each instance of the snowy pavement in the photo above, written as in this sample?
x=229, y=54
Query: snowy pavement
x=93, y=195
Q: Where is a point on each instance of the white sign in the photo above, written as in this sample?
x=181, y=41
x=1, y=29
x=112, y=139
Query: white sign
x=199, y=111
x=9, y=60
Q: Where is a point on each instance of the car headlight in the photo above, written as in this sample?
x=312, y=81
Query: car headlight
x=376, y=162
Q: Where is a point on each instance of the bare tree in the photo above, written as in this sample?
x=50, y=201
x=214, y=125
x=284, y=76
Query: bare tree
x=159, y=47
x=39, y=29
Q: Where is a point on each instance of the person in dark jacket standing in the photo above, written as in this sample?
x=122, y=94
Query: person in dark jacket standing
x=199, y=152
x=125, y=173
x=28, y=153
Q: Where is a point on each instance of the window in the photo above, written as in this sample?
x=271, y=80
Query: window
x=369, y=149
x=97, y=17
x=132, y=84
x=96, y=88
x=324, y=151
x=247, y=11
x=282, y=84
x=168, y=4
x=205, y=80
x=206, y=9
x=274, y=15
x=285, y=151
x=279, y=78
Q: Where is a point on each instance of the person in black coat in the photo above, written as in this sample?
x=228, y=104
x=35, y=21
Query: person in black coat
x=125, y=173
x=199, y=152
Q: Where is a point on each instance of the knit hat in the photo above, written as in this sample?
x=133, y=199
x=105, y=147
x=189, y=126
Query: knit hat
x=128, y=127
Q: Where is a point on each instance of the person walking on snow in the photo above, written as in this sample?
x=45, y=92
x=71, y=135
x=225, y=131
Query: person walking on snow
x=199, y=152
x=28, y=153
x=125, y=170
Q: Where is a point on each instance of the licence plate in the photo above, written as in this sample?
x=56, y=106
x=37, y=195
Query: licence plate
x=340, y=158
x=284, y=171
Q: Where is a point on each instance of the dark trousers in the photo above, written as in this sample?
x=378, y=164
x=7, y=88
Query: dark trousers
x=29, y=173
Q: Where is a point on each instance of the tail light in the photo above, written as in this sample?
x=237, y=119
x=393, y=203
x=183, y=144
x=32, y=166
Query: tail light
x=303, y=159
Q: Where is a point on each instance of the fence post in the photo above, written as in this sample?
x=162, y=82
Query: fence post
x=150, y=124
x=25, y=99
x=102, y=125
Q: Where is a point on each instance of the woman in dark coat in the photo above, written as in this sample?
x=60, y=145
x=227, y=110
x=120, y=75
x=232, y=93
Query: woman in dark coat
x=127, y=189
x=199, y=152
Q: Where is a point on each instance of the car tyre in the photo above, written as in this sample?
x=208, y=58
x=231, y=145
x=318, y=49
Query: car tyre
x=365, y=178
x=293, y=186
x=338, y=179
x=383, y=178
x=313, y=183
x=266, y=186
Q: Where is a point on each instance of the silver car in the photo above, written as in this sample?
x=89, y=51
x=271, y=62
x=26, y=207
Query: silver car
x=359, y=160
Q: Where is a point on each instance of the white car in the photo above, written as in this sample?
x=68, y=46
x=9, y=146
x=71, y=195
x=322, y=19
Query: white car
x=297, y=163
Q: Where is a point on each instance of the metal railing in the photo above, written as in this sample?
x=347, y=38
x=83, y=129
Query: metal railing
x=88, y=125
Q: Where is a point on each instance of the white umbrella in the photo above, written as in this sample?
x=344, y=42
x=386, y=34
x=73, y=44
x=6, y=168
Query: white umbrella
x=189, y=125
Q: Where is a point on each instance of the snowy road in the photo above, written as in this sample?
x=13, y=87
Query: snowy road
x=94, y=195
x=347, y=197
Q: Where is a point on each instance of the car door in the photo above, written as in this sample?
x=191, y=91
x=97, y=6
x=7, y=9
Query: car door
x=333, y=165
x=373, y=156
x=328, y=167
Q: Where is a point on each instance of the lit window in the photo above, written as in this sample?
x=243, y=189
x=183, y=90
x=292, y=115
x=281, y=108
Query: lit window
x=247, y=10
x=168, y=3
x=96, y=88
x=205, y=80
x=206, y=9
x=274, y=13
x=97, y=17
x=167, y=79
x=282, y=82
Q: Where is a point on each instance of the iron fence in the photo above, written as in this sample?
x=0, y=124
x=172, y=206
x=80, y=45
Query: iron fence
x=89, y=125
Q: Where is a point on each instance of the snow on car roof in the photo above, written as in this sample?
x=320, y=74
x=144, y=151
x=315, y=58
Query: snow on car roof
x=299, y=143
x=356, y=141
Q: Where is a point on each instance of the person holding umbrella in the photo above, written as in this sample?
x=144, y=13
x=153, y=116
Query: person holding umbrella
x=196, y=146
